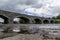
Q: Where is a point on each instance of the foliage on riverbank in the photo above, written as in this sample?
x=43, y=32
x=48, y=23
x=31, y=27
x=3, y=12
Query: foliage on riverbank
x=57, y=19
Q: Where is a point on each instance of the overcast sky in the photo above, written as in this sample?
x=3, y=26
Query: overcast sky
x=46, y=8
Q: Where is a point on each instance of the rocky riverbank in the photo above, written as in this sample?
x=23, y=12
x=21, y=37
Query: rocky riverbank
x=31, y=37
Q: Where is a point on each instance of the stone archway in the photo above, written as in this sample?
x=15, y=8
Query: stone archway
x=52, y=21
x=37, y=21
x=16, y=20
x=45, y=21
x=22, y=20
x=4, y=19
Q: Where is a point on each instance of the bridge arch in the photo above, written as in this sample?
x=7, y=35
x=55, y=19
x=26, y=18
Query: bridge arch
x=22, y=20
x=45, y=21
x=51, y=21
x=3, y=19
x=37, y=21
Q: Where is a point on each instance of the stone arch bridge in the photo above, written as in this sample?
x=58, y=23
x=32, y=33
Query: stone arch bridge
x=26, y=19
x=8, y=22
x=24, y=22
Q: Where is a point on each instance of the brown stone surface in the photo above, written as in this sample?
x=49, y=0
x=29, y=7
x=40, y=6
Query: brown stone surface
x=26, y=37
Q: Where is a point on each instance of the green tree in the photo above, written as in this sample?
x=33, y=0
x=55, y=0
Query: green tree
x=58, y=17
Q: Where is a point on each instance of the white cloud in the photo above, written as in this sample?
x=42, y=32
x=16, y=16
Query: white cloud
x=33, y=7
x=3, y=2
x=19, y=7
x=1, y=20
x=48, y=8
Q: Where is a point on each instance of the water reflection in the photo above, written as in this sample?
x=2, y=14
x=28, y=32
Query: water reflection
x=37, y=28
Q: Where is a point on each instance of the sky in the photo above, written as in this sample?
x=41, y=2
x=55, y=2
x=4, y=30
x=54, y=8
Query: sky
x=41, y=8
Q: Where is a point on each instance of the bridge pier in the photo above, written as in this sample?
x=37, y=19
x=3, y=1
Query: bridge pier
x=11, y=21
x=31, y=21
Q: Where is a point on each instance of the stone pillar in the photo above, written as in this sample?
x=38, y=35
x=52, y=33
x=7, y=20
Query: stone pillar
x=42, y=21
x=31, y=21
x=49, y=21
x=11, y=21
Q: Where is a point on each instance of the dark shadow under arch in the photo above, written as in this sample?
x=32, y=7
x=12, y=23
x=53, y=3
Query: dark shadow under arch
x=52, y=21
x=45, y=21
x=23, y=20
x=37, y=21
x=5, y=19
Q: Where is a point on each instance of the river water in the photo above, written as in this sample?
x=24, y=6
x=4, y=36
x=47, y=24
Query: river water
x=50, y=28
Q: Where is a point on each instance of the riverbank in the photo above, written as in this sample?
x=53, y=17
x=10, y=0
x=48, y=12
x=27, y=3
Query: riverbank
x=28, y=37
